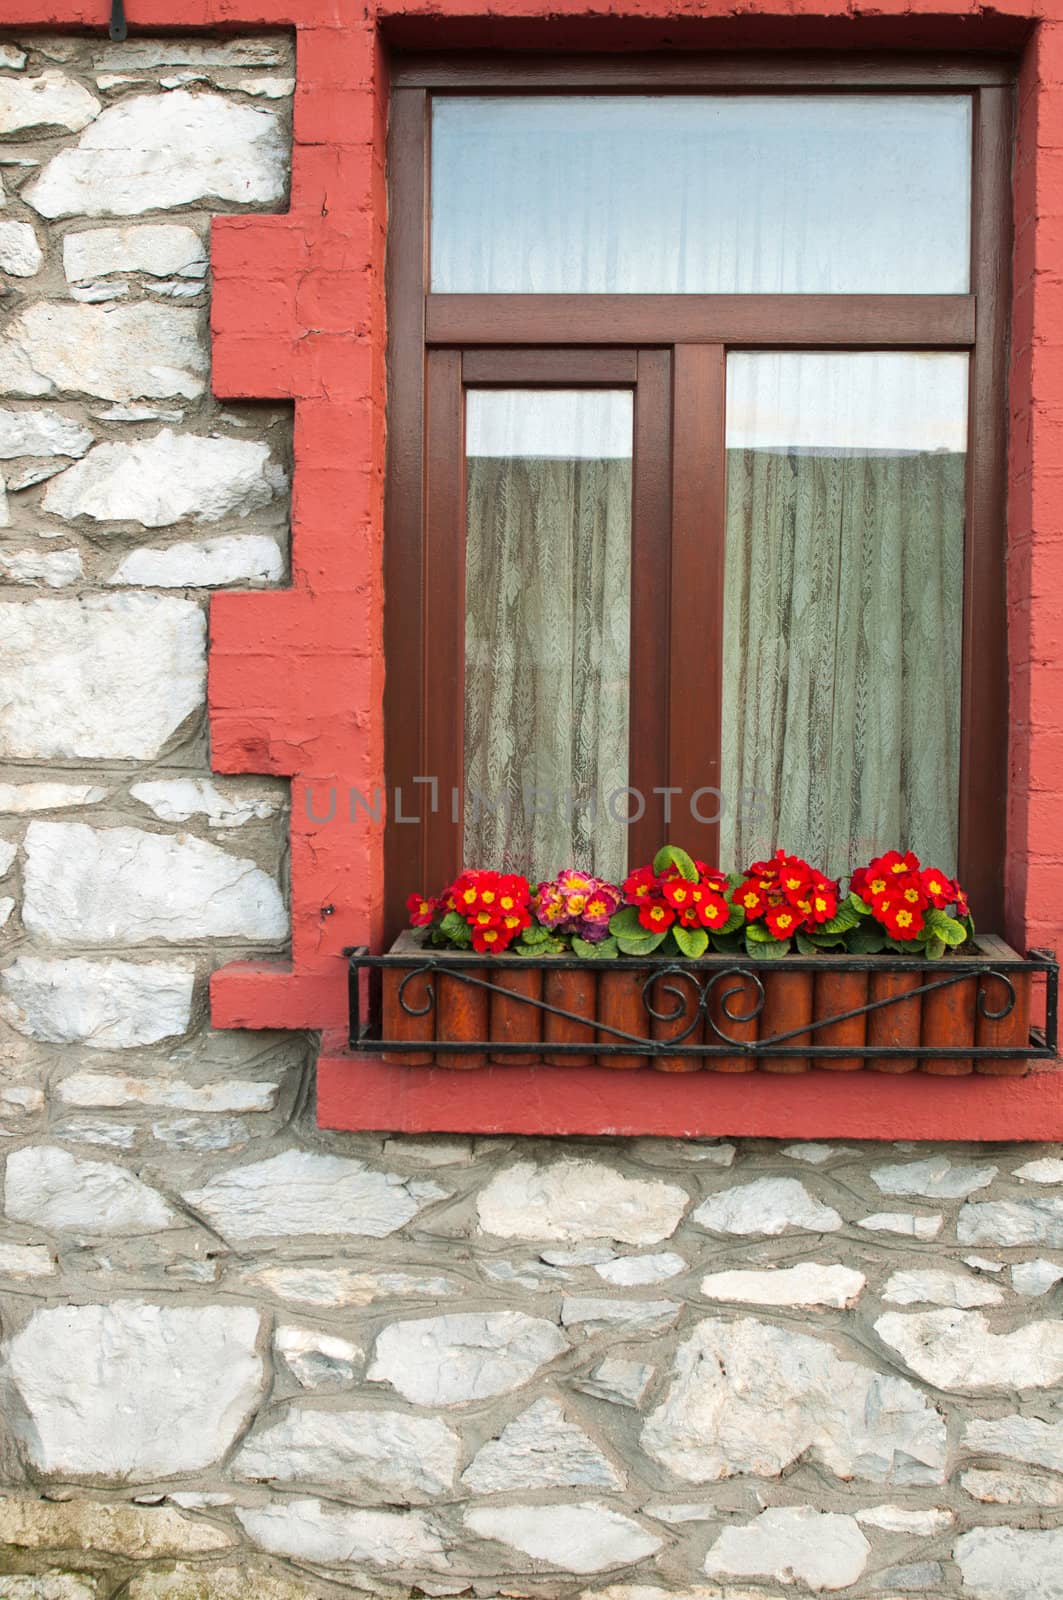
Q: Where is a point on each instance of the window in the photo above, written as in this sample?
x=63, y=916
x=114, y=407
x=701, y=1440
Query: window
x=695, y=502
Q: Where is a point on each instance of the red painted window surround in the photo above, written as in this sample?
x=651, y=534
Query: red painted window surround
x=295, y=679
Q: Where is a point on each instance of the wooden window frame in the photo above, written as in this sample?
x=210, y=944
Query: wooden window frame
x=672, y=350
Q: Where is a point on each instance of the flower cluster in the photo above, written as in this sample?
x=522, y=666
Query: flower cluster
x=576, y=904
x=694, y=901
x=487, y=909
x=786, y=895
x=900, y=893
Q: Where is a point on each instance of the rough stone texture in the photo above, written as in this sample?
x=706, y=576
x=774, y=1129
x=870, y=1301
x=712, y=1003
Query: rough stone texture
x=205, y=563
x=770, y=1206
x=104, y=1005
x=1010, y=1564
x=540, y=1450
x=793, y=1544
x=959, y=1350
x=20, y=254
x=445, y=1361
x=155, y=152
x=106, y=676
x=117, y=352
x=89, y=886
x=377, y=1455
x=576, y=1200
x=116, y=1098
x=577, y=1538
x=300, y=1192
x=132, y=1390
x=166, y=479
x=749, y=1397
x=50, y=100
x=118, y=1529
x=808, y=1284
x=311, y=1531
x=159, y=248
x=53, y=1189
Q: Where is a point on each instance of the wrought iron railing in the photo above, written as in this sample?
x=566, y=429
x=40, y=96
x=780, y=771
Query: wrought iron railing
x=700, y=1004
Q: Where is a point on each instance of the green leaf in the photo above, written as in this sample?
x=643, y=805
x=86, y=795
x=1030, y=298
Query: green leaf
x=692, y=942
x=904, y=947
x=935, y=949
x=867, y=940
x=535, y=934
x=944, y=927
x=604, y=950
x=859, y=905
x=456, y=930
x=805, y=946
x=846, y=917
x=670, y=855
x=734, y=921
x=642, y=944
x=728, y=944
x=626, y=921
x=827, y=941
x=545, y=947
x=766, y=952
x=760, y=933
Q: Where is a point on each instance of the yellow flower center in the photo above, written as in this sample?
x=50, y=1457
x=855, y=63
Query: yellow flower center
x=904, y=919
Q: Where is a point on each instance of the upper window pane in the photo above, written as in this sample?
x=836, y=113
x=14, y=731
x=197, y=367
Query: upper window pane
x=701, y=194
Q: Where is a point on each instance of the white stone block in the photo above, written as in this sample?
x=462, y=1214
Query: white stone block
x=133, y=1391
x=151, y=152
x=158, y=248
x=178, y=799
x=20, y=798
x=937, y=1178
x=448, y=1360
x=104, y=1005
x=905, y=1519
x=574, y=1200
x=316, y=1360
x=49, y=1188
x=308, y=1530
x=768, y=1206
x=750, y=1397
x=1039, y=1444
x=26, y=1261
x=20, y=254
x=631, y=1271
x=935, y=1286
x=807, y=1284
x=34, y=431
x=904, y=1223
x=1035, y=1278
x=51, y=100
x=373, y=1455
x=86, y=885
x=54, y=569
x=540, y=1450
x=1010, y=1563
x=204, y=563
x=958, y=1350
x=301, y=1192
x=164, y=479
x=103, y=1089
x=1047, y=1170
x=793, y=1544
x=576, y=1538
x=132, y=352
x=121, y=1530
x=1038, y=1220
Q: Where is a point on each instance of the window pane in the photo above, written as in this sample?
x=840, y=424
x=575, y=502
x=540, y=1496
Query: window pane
x=701, y=194
x=547, y=597
x=843, y=605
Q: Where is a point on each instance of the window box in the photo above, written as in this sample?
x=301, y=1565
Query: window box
x=891, y=1014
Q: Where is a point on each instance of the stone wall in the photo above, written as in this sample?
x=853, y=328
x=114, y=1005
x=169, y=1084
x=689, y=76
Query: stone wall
x=241, y=1358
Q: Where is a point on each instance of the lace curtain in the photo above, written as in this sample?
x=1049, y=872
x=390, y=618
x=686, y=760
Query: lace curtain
x=546, y=662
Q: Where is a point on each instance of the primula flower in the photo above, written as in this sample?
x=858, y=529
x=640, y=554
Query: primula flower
x=656, y=917
x=422, y=909
x=787, y=895
x=899, y=889
x=639, y=884
x=577, y=904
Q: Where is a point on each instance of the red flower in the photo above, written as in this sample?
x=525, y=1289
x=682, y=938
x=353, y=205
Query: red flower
x=783, y=921
x=713, y=911
x=679, y=893
x=940, y=890
x=902, y=921
x=421, y=909
x=491, y=939
x=656, y=917
x=748, y=898
x=639, y=885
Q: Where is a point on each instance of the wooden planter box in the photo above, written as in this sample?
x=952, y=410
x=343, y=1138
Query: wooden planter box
x=891, y=1014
